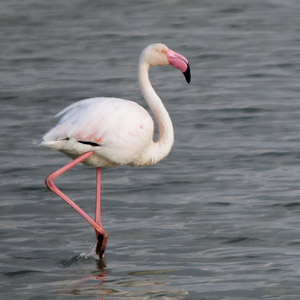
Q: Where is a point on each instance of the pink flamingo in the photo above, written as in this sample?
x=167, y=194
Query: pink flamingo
x=109, y=132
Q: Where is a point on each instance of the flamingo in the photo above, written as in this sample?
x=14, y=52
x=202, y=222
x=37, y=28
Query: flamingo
x=110, y=132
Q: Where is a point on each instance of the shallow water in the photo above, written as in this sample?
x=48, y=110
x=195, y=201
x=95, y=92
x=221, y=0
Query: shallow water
x=217, y=219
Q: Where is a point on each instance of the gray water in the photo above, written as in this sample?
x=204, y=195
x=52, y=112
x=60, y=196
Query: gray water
x=220, y=217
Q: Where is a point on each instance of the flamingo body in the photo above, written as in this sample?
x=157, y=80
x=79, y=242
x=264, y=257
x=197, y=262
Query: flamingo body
x=118, y=131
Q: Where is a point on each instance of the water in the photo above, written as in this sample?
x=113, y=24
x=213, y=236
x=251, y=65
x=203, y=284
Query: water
x=217, y=219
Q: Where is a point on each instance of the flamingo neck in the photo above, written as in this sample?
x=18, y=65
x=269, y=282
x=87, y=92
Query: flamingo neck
x=159, y=149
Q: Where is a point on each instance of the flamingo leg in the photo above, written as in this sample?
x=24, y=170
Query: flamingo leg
x=101, y=238
x=98, y=198
x=96, y=225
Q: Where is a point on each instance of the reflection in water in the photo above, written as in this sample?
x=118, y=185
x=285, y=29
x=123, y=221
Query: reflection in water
x=134, y=285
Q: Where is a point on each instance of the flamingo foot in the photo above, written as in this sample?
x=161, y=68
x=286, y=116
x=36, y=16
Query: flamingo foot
x=101, y=244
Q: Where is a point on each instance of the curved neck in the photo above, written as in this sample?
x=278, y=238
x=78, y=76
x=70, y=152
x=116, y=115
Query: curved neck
x=161, y=148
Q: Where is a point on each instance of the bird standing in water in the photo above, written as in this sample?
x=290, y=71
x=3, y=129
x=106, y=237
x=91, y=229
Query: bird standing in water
x=110, y=132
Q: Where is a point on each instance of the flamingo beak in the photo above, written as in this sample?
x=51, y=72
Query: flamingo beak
x=178, y=61
x=187, y=74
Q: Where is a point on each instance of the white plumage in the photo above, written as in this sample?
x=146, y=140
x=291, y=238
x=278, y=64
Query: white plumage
x=122, y=129
x=119, y=131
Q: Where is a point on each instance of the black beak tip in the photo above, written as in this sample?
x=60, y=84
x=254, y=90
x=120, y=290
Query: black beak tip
x=187, y=74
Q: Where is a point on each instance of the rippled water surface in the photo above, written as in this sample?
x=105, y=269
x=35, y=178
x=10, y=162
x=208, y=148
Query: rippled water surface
x=217, y=219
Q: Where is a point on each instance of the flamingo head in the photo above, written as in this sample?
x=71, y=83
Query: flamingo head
x=160, y=55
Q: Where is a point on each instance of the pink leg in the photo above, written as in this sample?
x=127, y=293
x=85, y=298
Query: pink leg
x=101, y=238
x=96, y=225
x=98, y=198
